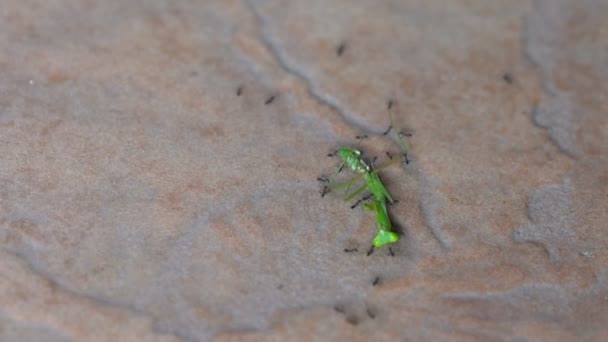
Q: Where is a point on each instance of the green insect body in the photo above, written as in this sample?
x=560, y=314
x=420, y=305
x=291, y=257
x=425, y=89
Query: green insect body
x=385, y=235
x=352, y=158
x=372, y=183
x=376, y=187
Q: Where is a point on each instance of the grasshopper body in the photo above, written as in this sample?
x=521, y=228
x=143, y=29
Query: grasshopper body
x=385, y=235
x=352, y=159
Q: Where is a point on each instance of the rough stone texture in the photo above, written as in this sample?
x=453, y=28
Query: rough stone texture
x=141, y=198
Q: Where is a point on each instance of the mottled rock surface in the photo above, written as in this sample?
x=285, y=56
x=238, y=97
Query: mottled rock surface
x=158, y=165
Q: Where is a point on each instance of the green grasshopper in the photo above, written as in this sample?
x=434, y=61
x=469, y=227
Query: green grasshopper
x=352, y=159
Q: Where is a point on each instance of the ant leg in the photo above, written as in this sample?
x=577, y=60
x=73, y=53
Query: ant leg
x=350, y=250
x=325, y=191
x=388, y=130
x=389, y=155
x=361, y=200
x=323, y=179
x=361, y=137
x=370, y=250
x=390, y=252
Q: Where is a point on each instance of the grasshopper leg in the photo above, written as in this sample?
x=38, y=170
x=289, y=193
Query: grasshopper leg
x=356, y=192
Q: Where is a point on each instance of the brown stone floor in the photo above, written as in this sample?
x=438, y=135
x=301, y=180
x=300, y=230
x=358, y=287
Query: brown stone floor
x=158, y=165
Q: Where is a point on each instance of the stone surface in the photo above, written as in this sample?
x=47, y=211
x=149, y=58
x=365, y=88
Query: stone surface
x=158, y=165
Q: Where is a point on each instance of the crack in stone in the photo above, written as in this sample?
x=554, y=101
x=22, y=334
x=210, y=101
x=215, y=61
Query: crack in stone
x=429, y=206
x=290, y=67
x=547, y=226
x=329, y=101
x=554, y=114
x=46, y=328
x=535, y=291
x=551, y=221
x=54, y=283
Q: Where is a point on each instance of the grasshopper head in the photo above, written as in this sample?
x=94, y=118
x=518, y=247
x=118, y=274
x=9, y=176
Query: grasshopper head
x=347, y=153
x=352, y=158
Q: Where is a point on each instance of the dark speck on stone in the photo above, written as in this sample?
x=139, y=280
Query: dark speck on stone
x=340, y=49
